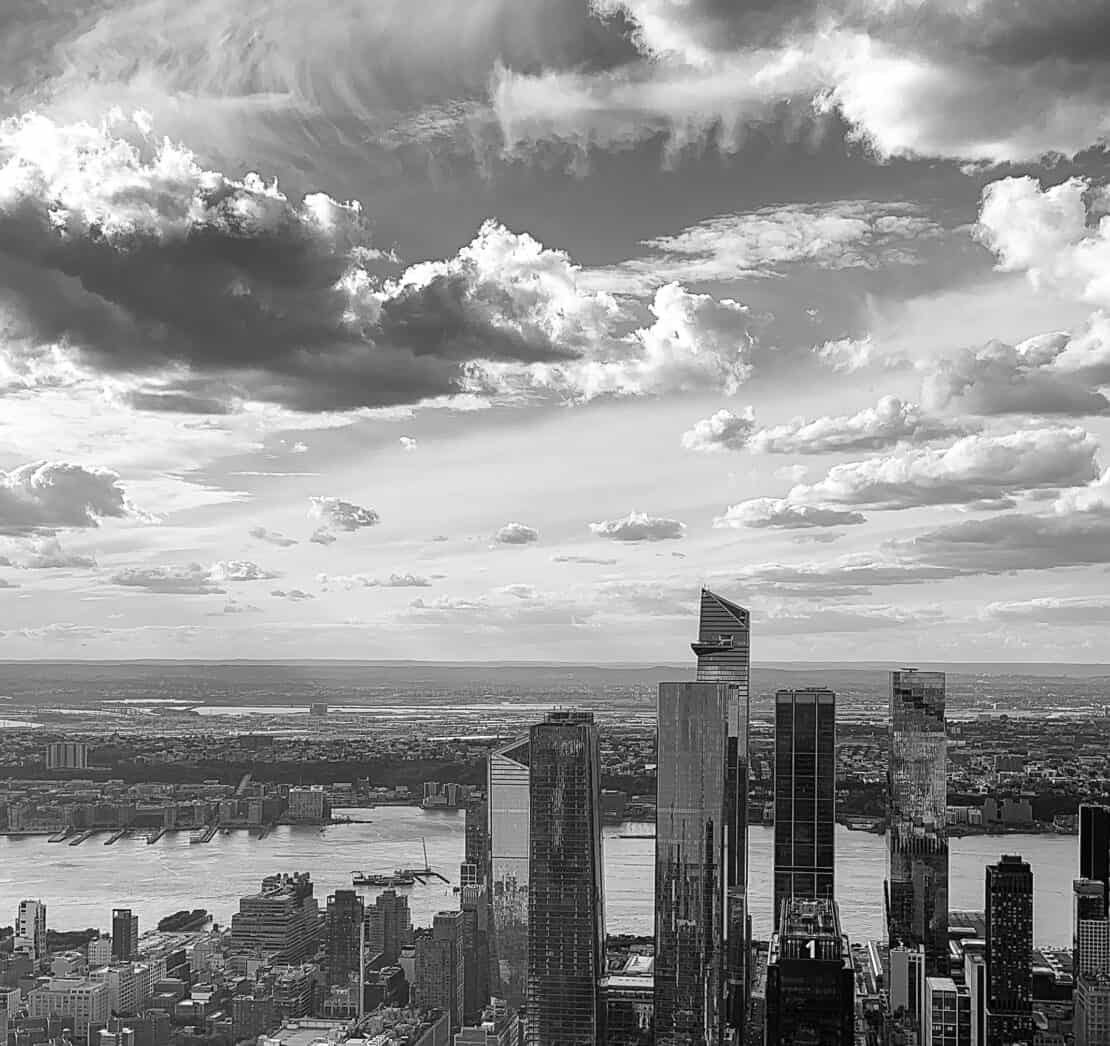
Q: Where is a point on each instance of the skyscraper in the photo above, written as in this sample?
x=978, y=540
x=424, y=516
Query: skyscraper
x=805, y=794
x=388, y=925
x=509, y=813
x=125, y=934
x=566, y=919
x=30, y=929
x=342, y=935
x=701, y=836
x=1009, y=957
x=917, y=887
x=439, y=968
x=1094, y=845
x=810, y=978
x=1090, y=929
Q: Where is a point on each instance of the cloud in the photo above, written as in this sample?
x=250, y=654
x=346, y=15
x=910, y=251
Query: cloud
x=846, y=575
x=350, y=581
x=568, y=557
x=337, y=514
x=47, y=495
x=5, y=583
x=725, y=430
x=45, y=552
x=322, y=536
x=192, y=579
x=787, y=622
x=516, y=534
x=695, y=343
x=1059, y=236
x=778, y=513
x=240, y=570
x=972, y=82
x=232, y=607
x=639, y=526
x=978, y=468
x=295, y=595
x=887, y=424
x=838, y=235
x=407, y=443
x=1061, y=612
x=271, y=537
x=1048, y=374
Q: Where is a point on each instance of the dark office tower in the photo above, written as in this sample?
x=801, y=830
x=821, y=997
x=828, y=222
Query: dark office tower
x=805, y=794
x=439, y=968
x=917, y=887
x=509, y=806
x=1094, y=845
x=388, y=926
x=342, y=935
x=125, y=934
x=723, y=651
x=1009, y=958
x=566, y=920
x=810, y=978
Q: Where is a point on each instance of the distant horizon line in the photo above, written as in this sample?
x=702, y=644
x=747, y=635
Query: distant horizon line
x=535, y=663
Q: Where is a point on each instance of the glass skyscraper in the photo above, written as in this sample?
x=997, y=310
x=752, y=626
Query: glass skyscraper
x=701, y=938
x=805, y=795
x=509, y=814
x=1094, y=845
x=566, y=918
x=917, y=886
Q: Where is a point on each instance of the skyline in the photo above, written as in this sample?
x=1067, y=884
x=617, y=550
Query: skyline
x=516, y=334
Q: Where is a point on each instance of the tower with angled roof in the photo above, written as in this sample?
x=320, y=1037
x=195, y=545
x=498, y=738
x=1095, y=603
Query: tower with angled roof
x=701, y=929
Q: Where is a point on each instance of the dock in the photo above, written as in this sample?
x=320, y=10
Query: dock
x=155, y=836
x=116, y=836
x=205, y=834
x=79, y=838
x=60, y=837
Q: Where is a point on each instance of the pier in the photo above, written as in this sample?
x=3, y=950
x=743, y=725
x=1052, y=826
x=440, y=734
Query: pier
x=205, y=834
x=79, y=838
x=61, y=837
x=116, y=836
x=155, y=836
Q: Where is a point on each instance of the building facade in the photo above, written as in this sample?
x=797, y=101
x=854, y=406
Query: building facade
x=810, y=977
x=509, y=826
x=1009, y=953
x=439, y=969
x=1091, y=1023
x=388, y=925
x=805, y=795
x=280, y=923
x=30, y=930
x=1094, y=845
x=917, y=884
x=1090, y=929
x=125, y=934
x=83, y=1001
x=566, y=919
x=67, y=755
x=947, y=1020
x=343, y=932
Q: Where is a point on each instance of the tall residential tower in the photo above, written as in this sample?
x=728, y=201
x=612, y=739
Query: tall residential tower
x=917, y=887
x=1009, y=1002
x=805, y=795
x=701, y=938
x=566, y=918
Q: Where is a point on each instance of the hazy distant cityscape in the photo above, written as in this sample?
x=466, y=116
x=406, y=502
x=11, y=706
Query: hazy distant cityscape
x=507, y=941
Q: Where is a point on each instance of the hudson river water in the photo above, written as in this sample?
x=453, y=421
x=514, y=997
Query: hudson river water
x=81, y=884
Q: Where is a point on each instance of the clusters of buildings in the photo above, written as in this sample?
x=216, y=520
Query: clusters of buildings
x=523, y=960
x=83, y=805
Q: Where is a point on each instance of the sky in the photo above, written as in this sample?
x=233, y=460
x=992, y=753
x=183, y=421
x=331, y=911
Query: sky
x=493, y=329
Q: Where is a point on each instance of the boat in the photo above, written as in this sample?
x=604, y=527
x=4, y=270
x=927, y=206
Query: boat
x=398, y=878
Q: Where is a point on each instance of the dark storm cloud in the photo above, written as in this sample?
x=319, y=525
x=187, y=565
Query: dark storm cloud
x=50, y=495
x=145, y=264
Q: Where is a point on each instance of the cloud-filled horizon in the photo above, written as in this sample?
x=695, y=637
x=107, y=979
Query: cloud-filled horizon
x=554, y=310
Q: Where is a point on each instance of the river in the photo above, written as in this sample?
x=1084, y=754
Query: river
x=81, y=884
